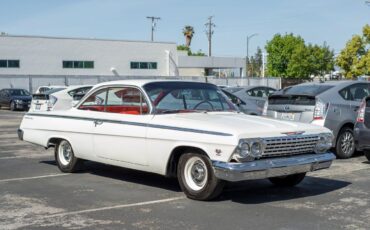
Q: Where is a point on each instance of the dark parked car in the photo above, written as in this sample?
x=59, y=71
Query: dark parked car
x=15, y=99
x=362, y=128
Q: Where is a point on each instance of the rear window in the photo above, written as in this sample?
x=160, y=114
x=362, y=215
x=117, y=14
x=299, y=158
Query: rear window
x=292, y=100
x=312, y=90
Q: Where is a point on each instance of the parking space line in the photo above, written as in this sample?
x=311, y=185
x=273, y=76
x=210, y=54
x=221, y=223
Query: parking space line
x=115, y=207
x=34, y=177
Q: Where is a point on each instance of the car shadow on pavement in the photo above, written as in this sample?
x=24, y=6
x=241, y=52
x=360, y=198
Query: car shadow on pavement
x=262, y=191
x=127, y=175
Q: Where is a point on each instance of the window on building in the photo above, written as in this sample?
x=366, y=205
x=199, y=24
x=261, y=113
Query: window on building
x=9, y=64
x=143, y=65
x=78, y=64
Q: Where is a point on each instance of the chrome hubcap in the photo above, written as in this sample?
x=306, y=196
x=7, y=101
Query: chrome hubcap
x=198, y=172
x=65, y=153
x=195, y=173
x=347, y=143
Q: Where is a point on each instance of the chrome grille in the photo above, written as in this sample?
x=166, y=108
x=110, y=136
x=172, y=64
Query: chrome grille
x=289, y=145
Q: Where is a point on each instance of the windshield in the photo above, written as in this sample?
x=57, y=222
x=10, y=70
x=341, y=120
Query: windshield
x=19, y=92
x=175, y=97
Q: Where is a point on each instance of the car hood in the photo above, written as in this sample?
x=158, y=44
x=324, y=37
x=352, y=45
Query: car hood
x=235, y=124
x=23, y=98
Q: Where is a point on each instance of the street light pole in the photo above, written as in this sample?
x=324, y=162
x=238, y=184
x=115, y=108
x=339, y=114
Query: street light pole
x=247, y=59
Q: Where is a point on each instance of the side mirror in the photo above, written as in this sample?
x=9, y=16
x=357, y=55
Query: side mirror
x=238, y=102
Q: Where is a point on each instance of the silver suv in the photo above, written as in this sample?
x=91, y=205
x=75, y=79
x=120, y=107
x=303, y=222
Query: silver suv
x=330, y=104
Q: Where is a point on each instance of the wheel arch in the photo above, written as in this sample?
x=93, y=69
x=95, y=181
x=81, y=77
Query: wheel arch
x=171, y=168
x=54, y=140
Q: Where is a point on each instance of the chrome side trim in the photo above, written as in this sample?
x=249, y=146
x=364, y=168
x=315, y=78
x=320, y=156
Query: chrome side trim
x=134, y=124
x=266, y=168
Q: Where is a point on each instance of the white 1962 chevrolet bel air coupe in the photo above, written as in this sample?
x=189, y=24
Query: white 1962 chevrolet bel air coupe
x=177, y=128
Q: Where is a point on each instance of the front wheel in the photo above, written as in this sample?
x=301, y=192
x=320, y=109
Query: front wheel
x=196, y=177
x=288, y=181
x=367, y=154
x=65, y=158
x=345, y=147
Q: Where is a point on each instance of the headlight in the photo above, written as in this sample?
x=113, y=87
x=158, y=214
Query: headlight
x=18, y=101
x=248, y=150
x=324, y=143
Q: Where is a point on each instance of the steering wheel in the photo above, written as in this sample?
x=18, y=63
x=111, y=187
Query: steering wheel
x=202, y=102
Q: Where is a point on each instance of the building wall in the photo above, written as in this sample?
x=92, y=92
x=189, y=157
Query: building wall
x=191, y=71
x=44, y=56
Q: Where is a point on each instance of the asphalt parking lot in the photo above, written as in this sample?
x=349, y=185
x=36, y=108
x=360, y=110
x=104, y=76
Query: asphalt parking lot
x=34, y=194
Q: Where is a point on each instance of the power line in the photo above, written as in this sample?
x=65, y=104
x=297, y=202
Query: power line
x=209, y=31
x=154, y=24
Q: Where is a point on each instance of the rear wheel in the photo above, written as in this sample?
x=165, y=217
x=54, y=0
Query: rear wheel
x=367, y=154
x=288, y=181
x=196, y=177
x=65, y=158
x=345, y=146
x=12, y=106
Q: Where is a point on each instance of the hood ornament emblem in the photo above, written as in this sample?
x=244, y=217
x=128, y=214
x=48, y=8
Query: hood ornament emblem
x=294, y=133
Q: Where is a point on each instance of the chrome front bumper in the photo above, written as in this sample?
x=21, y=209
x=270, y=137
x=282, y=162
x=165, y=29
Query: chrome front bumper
x=274, y=167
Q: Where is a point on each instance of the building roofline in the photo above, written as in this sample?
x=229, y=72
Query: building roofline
x=80, y=38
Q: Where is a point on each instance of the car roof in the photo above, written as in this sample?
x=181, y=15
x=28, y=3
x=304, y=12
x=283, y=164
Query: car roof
x=141, y=82
x=70, y=88
x=334, y=83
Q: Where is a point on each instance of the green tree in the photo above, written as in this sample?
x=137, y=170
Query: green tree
x=354, y=58
x=190, y=53
x=289, y=56
x=280, y=50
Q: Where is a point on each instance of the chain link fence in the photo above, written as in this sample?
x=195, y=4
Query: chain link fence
x=32, y=82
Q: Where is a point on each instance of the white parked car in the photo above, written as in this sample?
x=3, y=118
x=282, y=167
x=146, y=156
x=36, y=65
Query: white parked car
x=58, y=98
x=188, y=130
x=65, y=99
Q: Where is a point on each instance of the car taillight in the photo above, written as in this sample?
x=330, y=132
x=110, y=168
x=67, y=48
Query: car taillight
x=361, y=112
x=51, y=102
x=320, y=109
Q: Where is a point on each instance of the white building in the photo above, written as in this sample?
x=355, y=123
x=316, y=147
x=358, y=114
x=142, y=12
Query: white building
x=36, y=55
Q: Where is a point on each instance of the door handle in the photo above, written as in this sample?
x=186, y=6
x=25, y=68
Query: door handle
x=97, y=122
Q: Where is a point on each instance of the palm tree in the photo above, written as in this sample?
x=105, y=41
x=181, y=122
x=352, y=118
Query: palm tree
x=188, y=32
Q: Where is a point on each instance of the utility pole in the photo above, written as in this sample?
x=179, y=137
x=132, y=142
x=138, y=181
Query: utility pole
x=154, y=24
x=247, y=59
x=209, y=31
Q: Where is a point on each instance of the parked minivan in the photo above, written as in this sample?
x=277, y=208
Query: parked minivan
x=332, y=104
x=362, y=128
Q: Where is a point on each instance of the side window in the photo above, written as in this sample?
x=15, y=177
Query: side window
x=43, y=89
x=251, y=93
x=359, y=92
x=355, y=92
x=126, y=100
x=95, y=101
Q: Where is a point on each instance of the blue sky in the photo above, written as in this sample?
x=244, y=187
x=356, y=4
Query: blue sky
x=333, y=21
